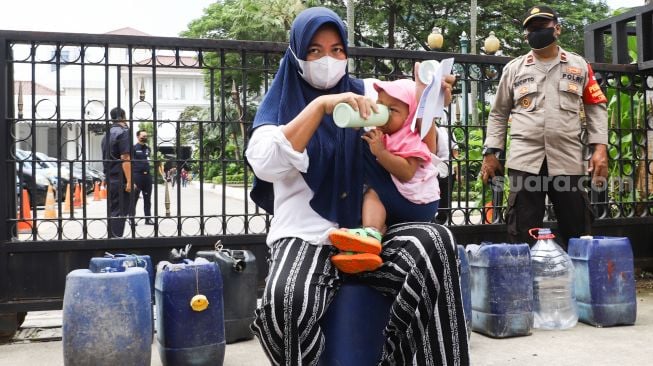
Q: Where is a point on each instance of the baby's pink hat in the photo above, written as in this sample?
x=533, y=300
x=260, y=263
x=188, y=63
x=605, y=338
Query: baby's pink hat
x=402, y=89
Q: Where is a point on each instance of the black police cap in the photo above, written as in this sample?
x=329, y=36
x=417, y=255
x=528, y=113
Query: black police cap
x=540, y=11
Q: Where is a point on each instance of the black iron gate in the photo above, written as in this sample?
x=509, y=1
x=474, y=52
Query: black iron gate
x=196, y=98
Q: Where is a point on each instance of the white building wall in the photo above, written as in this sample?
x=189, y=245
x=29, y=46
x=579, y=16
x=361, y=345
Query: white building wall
x=181, y=88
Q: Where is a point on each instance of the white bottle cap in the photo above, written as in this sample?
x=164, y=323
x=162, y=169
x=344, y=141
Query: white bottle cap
x=427, y=69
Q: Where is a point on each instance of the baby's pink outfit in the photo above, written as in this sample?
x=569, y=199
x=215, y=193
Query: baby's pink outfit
x=423, y=187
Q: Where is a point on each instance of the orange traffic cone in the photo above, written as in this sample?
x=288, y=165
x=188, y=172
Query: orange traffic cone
x=82, y=193
x=489, y=212
x=96, y=192
x=50, y=211
x=77, y=198
x=103, y=192
x=66, y=204
x=25, y=215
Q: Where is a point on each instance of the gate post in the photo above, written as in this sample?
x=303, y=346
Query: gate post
x=8, y=321
x=8, y=171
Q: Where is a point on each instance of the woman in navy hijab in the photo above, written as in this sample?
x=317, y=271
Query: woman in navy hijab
x=310, y=175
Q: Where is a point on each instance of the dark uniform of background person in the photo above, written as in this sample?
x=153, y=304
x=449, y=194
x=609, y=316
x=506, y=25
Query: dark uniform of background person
x=142, y=174
x=543, y=93
x=116, y=151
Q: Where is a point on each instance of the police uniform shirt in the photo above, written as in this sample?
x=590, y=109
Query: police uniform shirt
x=544, y=106
x=141, y=159
x=118, y=145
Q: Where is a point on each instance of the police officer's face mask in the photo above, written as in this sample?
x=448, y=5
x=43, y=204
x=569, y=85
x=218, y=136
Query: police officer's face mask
x=541, y=38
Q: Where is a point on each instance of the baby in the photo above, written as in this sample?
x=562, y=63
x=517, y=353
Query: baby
x=408, y=159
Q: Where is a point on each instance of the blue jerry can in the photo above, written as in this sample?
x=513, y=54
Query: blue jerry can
x=107, y=318
x=96, y=264
x=353, y=326
x=605, y=282
x=465, y=287
x=190, y=314
x=502, y=289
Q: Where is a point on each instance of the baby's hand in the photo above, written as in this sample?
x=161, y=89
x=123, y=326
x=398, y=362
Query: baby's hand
x=448, y=81
x=375, y=139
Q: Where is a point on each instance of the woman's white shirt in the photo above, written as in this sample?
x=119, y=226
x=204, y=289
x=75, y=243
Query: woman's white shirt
x=273, y=159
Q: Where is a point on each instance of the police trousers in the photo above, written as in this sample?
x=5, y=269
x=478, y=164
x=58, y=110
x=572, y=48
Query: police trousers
x=143, y=185
x=119, y=208
x=526, y=205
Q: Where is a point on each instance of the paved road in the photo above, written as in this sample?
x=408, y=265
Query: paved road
x=187, y=206
x=582, y=345
x=38, y=341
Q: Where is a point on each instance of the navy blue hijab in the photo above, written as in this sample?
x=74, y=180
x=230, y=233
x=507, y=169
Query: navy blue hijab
x=335, y=173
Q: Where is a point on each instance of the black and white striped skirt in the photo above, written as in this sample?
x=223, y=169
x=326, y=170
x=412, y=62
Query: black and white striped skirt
x=419, y=271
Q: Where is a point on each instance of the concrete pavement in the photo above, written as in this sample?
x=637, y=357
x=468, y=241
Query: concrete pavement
x=39, y=340
x=582, y=345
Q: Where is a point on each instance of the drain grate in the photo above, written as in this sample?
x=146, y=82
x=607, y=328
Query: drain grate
x=30, y=334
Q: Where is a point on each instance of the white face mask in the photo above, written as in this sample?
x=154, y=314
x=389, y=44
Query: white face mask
x=323, y=73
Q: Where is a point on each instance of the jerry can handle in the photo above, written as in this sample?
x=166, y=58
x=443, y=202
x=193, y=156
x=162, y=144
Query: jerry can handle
x=218, y=245
x=238, y=259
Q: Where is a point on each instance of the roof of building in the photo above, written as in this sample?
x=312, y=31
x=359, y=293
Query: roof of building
x=27, y=88
x=128, y=31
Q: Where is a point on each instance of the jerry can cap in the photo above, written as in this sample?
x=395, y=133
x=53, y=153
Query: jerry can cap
x=542, y=233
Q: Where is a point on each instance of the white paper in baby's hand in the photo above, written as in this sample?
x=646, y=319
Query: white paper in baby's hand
x=431, y=104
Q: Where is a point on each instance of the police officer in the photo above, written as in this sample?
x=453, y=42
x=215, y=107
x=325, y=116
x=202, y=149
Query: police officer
x=142, y=174
x=116, y=152
x=544, y=92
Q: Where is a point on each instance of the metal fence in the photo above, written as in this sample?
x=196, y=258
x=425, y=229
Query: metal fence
x=60, y=88
x=197, y=99
x=60, y=91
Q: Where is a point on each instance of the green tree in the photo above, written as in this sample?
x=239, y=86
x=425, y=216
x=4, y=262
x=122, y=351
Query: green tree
x=403, y=24
x=260, y=20
x=406, y=24
x=196, y=120
x=189, y=127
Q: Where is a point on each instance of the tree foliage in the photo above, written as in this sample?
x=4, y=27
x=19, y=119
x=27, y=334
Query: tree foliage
x=406, y=24
x=403, y=24
x=260, y=20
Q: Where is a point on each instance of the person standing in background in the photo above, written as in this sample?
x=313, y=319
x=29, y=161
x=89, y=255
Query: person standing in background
x=184, y=177
x=142, y=175
x=172, y=175
x=116, y=154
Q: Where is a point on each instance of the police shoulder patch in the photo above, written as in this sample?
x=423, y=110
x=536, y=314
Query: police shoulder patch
x=515, y=60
